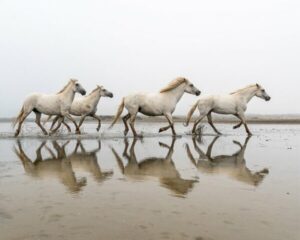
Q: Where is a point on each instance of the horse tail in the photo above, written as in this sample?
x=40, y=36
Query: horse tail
x=118, y=114
x=47, y=120
x=190, y=113
x=18, y=117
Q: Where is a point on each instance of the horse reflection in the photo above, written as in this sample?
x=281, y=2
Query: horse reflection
x=88, y=161
x=58, y=166
x=161, y=167
x=232, y=165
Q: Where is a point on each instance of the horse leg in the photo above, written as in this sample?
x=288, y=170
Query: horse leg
x=171, y=123
x=66, y=125
x=53, y=122
x=131, y=123
x=38, y=122
x=239, y=124
x=99, y=121
x=209, y=118
x=125, y=119
x=198, y=120
x=22, y=119
x=162, y=129
x=241, y=116
x=67, y=115
x=80, y=123
x=60, y=119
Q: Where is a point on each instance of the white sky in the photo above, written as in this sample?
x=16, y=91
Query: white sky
x=137, y=45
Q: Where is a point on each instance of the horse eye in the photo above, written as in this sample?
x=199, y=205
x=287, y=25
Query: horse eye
x=76, y=84
x=192, y=85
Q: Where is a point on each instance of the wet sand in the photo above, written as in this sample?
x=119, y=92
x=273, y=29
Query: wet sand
x=107, y=187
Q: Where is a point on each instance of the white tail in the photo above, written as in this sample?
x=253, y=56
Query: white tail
x=190, y=114
x=118, y=114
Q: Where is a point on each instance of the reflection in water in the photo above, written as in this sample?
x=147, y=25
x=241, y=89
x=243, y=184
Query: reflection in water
x=161, y=167
x=61, y=165
x=233, y=165
x=88, y=161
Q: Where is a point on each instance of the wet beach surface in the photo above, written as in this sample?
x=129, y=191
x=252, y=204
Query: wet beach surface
x=109, y=187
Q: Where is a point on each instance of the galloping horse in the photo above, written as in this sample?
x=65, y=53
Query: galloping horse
x=49, y=104
x=86, y=106
x=162, y=103
x=234, y=103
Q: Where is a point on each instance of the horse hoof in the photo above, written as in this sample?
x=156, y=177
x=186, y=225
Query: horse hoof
x=162, y=130
x=125, y=133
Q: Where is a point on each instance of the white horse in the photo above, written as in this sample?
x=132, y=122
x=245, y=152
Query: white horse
x=86, y=106
x=234, y=103
x=49, y=104
x=162, y=103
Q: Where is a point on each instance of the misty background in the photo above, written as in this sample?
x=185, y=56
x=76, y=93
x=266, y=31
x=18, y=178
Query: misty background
x=135, y=45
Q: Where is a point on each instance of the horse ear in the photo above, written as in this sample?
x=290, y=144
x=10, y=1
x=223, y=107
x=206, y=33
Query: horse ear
x=99, y=86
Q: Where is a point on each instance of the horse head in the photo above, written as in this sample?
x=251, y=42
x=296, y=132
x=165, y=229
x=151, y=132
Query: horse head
x=261, y=93
x=76, y=87
x=190, y=88
x=104, y=92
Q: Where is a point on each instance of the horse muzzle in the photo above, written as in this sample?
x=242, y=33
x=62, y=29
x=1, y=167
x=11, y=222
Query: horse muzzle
x=110, y=95
x=198, y=93
x=268, y=98
x=82, y=92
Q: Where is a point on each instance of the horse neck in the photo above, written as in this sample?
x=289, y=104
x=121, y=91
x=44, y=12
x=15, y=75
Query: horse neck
x=68, y=94
x=175, y=93
x=94, y=97
x=247, y=94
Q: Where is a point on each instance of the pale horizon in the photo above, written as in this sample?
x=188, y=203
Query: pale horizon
x=130, y=46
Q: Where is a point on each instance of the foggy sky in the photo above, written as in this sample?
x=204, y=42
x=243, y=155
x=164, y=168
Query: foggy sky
x=135, y=45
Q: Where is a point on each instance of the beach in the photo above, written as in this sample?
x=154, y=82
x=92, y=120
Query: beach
x=105, y=186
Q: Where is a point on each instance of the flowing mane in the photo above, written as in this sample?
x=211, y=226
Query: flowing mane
x=98, y=87
x=64, y=88
x=173, y=84
x=242, y=89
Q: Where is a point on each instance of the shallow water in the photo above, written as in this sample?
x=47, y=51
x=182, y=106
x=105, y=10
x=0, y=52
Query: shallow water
x=231, y=187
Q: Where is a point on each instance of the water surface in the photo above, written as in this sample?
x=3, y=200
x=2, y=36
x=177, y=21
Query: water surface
x=228, y=187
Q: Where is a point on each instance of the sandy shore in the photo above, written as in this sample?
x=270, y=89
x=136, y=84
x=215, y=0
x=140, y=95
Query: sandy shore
x=208, y=188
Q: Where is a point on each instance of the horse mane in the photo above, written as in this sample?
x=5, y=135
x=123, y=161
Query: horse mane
x=242, y=89
x=98, y=87
x=173, y=84
x=64, y=88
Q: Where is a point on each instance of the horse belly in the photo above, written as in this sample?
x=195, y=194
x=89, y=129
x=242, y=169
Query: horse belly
x=150, y=111
x=78, y=109
x=224, y=107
